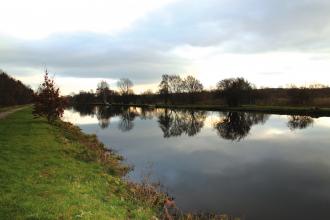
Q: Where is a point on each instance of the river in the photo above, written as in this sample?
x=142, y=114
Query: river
x=251, y=165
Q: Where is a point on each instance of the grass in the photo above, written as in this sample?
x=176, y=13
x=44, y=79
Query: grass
x=47, y=172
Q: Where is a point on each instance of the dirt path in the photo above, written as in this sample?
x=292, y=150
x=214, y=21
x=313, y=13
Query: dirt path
x=6, y=113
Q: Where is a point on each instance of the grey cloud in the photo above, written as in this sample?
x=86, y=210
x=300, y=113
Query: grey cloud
x=242, y=26
x=92, y=55
x=143, y=53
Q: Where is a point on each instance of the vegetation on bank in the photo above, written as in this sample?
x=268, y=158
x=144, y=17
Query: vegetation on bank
x=13, y=92
x=47, y=100
x=232, y=93
x=54, y=171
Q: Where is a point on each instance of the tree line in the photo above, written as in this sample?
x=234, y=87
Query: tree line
x=174, y=90
x=13, y=92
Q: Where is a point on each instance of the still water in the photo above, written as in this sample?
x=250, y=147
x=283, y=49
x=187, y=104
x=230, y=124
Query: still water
x=251, y=165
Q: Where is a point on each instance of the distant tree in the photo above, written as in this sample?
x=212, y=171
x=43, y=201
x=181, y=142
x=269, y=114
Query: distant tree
x=317, y=86
x=175, y=84
x=103, y=91
x=192, y=85
x=125, y=86
x=48, y=102
x=164, y=87
x=147, y=92
x=83, y=98
x=234, y=90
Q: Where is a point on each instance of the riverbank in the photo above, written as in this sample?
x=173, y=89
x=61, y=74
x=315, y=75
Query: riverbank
x=281, y=110
x=57, y=172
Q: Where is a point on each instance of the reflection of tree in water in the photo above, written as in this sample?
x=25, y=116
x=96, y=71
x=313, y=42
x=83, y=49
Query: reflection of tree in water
x=165, y=122
x=195, y=122
x=103, y=115
x=175, y=123
x=127, y=117
x=147, y=113
x=85, y=110
x=299, y=122
x=237, y=125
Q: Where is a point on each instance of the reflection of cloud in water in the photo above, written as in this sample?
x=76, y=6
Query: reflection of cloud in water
x=323, y=122
x=270, y=133
x=76, y=118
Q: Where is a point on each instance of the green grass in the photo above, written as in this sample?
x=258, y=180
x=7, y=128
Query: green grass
x=44, y=176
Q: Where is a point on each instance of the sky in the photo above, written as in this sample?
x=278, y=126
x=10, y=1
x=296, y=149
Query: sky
x=271, y=43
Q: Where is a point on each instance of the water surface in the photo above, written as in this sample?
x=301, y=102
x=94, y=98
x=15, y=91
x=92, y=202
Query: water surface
x=250, y=165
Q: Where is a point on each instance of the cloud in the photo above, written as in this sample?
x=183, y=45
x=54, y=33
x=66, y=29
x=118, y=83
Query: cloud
x=146, y=45
x=38, y=19
x=242, y=26
x=91, y=55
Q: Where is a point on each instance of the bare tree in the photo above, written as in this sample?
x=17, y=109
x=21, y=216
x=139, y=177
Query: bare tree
x=192, y=85
x=175, y=84
x=125, y=86
x=103, y=90
x=170, y=84
x=164, y=87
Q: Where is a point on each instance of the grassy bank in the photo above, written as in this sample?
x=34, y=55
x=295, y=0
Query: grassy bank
x=56, y=172
x=286, y=110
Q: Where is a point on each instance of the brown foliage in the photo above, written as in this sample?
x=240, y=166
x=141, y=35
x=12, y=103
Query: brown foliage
x=48, y=102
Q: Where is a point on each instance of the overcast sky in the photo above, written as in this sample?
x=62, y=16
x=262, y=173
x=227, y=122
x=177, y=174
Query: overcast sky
x=269, y=42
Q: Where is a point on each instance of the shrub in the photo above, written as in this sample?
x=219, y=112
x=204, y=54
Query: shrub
x=48, y=102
